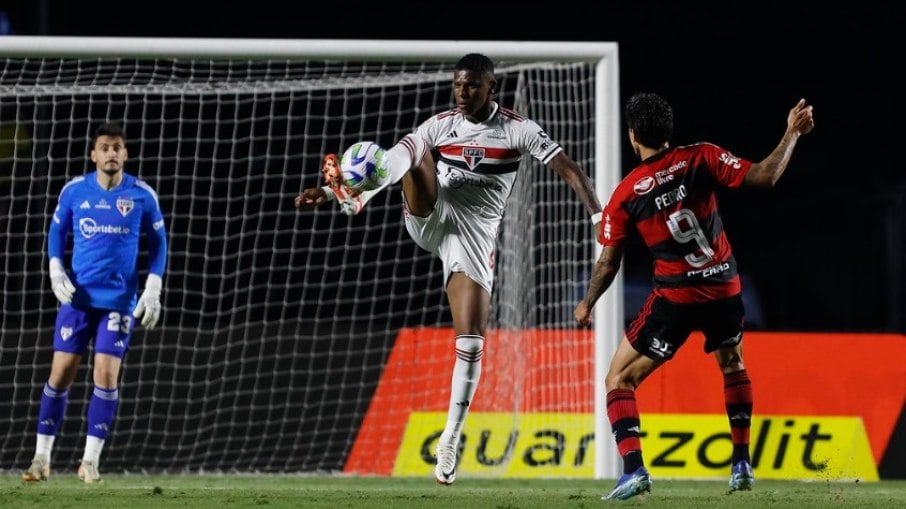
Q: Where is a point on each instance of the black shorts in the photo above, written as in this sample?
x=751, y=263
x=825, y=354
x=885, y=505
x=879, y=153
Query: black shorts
x=661, y=327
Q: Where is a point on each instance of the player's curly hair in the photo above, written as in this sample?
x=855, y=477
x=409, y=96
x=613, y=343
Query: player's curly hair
x=651, y=119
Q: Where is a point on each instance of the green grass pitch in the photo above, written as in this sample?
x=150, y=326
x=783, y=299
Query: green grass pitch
x=64, y=491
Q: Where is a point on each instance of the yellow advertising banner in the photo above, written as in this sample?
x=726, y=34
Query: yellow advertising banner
x=561, y=445
x=537, y=395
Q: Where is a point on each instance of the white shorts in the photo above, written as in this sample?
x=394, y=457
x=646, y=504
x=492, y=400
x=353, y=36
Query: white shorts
x=463, y=241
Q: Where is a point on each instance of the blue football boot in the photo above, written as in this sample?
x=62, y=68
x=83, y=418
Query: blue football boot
x=742, y=478
x=630, y=485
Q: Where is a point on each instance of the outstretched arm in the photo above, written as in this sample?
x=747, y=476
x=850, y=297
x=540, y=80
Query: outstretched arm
x=767, y=172
x=317, y=196
x=605, y=271
x=570, y=171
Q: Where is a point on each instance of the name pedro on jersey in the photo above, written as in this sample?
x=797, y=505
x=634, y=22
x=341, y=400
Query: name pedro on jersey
x=670, y=197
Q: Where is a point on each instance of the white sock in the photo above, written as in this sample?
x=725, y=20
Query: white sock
x=466, y=373
x=43, y=446
x=93, y=446
x=404, y=156
x=399, y=159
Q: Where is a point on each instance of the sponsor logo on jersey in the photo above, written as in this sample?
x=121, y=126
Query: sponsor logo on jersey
x=102, y=205
x=709, y=271
x=472, y=156
x=460, y=179
x=89, y=228
x=65, y=332
x=545, y=141
x=85, y=205
x=665, y=176
x=730, y=160
x=124, y=205
x=644, y=185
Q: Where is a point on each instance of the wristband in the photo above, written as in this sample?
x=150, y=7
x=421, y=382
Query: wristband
x=596, y=217
x=331, y=196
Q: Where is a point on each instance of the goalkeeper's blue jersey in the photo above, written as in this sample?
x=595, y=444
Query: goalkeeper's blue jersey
x=106, y=225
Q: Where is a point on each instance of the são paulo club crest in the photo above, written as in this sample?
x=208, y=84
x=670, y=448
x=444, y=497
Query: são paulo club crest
x=472, y=156
x=124, y=205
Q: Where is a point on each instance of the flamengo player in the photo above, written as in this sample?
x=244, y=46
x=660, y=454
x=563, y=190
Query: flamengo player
x=453, y=208
x=670, y=199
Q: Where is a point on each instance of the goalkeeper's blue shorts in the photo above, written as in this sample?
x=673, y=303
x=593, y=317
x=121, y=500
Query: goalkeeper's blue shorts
x=111, y=330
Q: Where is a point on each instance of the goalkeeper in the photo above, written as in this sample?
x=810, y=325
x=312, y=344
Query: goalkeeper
x=106, y=210
x=453, y=207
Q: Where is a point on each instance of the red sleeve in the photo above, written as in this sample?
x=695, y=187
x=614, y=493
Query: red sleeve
x=727, y=169
x=613, y=226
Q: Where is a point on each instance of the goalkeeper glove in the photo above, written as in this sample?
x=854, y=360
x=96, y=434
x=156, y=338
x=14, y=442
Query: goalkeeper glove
x=149, y=303
x=59, y=282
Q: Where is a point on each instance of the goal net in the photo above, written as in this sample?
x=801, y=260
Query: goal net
x=303, y=341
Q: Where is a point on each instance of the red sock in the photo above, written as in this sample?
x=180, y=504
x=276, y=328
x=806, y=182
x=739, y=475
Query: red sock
x=738, y=397
x=624, y=420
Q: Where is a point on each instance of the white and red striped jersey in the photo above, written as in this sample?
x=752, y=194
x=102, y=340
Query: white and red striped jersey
x=477, y=163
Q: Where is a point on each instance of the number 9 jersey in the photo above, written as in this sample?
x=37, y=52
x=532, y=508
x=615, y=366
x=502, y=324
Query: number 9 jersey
x=671, y=200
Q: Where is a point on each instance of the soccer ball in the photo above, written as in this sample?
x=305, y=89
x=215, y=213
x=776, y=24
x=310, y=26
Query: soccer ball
x=362, y=166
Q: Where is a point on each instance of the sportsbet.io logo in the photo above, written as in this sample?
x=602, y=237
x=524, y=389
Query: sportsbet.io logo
x=89, y=228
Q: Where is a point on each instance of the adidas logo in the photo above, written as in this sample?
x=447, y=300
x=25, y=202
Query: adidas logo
x=119, y=344
x=452, y=134
x=464, y=404
x=85, y=205
x=740, y=416
x=733, y=340
x=47, y=422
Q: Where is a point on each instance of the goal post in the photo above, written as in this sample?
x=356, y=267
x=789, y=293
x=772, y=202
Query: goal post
x=281, y=329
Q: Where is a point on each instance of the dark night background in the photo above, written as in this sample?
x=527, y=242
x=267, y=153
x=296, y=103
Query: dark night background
x=823, y=250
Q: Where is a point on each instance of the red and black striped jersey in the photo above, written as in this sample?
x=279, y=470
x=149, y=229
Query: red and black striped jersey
x=670, y=199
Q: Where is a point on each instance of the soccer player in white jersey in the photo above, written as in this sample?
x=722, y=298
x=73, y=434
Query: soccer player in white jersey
x=106, y=210
x=453, y=207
